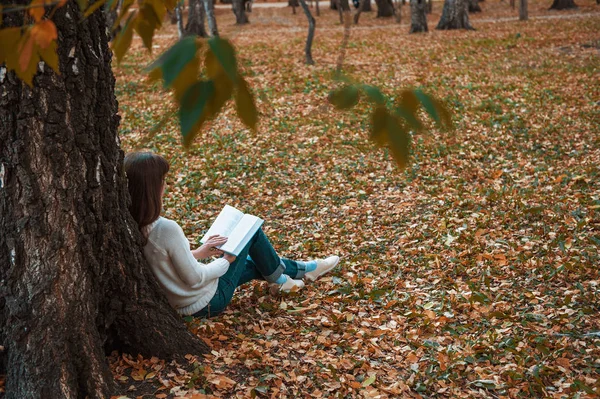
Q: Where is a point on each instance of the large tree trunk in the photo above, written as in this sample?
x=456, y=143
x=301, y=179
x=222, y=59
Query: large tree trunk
x=563, y=5
x=240, y=13
x=418, y=18
x=523, y=15
x=385, y=8
x=195, y=22
x=454, y=15
x=209, y=9
x=74, y=280
x=474, y=6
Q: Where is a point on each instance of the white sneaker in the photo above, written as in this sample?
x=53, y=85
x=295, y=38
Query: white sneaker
x=323, y=266
x=290, y=285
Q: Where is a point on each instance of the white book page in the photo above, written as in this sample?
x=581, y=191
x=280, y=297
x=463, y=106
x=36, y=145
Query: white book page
x=224, y=223
x=240, y=232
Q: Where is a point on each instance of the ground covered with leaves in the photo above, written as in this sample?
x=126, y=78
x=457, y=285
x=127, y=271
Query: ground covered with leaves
x=472, y=273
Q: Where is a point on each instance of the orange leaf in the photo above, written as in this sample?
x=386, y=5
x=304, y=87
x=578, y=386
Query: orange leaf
x=44, y=32
x=25, y=50
x=37, y=10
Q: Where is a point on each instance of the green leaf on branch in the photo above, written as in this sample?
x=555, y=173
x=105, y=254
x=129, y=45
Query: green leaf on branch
x=244, y=103
x=410, y=118
x=345, y=97
x=192, y=111
x=174, y=60
x=435, y=109
x=374, y=94
x=378, y=126
x=225, y=54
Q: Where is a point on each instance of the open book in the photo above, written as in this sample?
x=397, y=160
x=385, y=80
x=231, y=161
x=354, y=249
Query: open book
x=239, y=228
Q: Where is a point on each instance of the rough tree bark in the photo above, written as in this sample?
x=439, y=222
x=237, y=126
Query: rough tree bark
x=418, y=18
x=523, y=14
x=474, y=6
x=74, y=280
x=195, y=22
x=454, y=15
x=385, y=8
x=563, y=5
x=240, y=13
x=209, y=9
x=364, y=5
x=311, y=33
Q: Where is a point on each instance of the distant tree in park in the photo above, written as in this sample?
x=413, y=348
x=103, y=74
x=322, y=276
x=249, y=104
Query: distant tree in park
x=474, y=6
x=385, y=8
x=564, y=4
x=239, y=10
x=196, y=17
x=523, y=15
x=454, y=15
x=418, y=17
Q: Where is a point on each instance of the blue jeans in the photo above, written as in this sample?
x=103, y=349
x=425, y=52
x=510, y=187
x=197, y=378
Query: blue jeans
x=257, y=261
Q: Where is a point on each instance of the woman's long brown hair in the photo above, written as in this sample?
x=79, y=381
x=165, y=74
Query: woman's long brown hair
x=145, y=173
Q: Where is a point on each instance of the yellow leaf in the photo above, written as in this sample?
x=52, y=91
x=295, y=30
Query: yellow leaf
x=369, y=381
x=408, y=101
x=25, y=50
x=122, y=42
x=97, y=4
x=9, y=40
x=186, y=78
x=378, y=126
x=50, y=56
x=44, y=32
x=245, y=106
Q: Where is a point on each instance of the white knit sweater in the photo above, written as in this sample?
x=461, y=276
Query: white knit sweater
x=189, y=285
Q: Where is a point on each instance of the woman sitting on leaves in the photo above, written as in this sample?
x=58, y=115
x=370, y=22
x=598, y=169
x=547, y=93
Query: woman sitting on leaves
x=203, y=289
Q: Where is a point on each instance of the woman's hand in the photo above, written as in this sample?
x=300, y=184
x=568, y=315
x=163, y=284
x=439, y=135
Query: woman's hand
x=229, y=258
x=209, y=248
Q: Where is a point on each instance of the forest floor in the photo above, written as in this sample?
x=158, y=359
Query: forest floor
x=471, y=273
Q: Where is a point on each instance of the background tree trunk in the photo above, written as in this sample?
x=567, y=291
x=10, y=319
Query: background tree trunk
x=454, y=15
x=523, y=10
x=209, y=9
x=474, y=6
x=418, y=18
x=195, y=22
x=359, y=11
x=563, y=5
x=179, y=18
x=319, y=12
x=385, y=8
x=333, y=4
x=429, y=8
x=311, y=33
x=74, y=280
x=366, y=6
x=293, y=3
x=240, y=13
